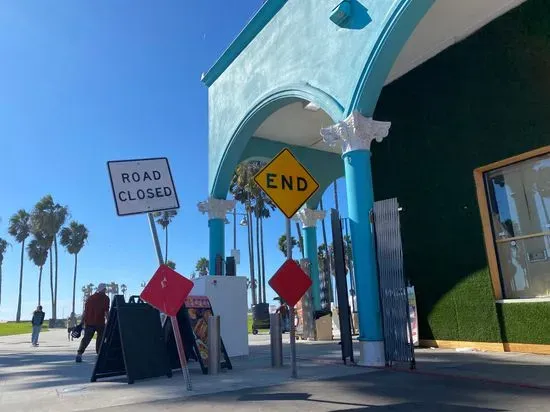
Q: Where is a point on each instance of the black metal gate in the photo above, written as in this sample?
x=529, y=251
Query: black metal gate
x=398, y=340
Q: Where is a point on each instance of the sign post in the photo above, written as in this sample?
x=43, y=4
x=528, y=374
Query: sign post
x=293, y=367
x=146, y=186
x=167, y=291
x=289, y=185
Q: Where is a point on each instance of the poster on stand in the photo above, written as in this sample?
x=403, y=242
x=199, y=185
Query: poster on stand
x=413, y=312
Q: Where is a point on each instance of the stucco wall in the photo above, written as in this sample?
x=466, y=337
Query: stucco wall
x=481, y=101
x=299, y=46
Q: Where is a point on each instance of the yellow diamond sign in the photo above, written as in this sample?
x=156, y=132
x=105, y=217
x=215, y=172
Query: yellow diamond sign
x=287, y=182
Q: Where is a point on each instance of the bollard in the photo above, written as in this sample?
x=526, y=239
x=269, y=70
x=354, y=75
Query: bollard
x=214, y=345
x=276, y=340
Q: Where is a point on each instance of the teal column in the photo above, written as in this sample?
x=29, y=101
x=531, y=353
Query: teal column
x=217, y=243
x=216, y=210
x=360, y=203
x=310, y=252
x=355, y=135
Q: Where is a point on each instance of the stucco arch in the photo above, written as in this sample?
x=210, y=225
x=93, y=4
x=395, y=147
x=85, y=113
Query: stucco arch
x=398, y=29
x=265, y=106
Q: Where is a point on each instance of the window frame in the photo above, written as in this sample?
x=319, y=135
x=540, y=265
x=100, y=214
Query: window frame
x=483, y=204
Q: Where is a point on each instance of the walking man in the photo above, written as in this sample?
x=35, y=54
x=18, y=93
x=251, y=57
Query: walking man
x=95, y=314
x=37, y=321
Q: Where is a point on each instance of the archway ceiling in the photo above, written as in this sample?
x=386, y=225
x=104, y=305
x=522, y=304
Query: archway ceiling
x=446, y=23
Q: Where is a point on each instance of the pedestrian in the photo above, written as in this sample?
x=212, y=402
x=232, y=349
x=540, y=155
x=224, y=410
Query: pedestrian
x=95, y=314
x=37, y=321
x=285, y=316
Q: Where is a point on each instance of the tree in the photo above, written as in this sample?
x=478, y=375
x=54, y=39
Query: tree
x=171, y=265
x=73, y=238
x=244, y=190
x=164, y=218
x=20, y=229
x=283, y=244
x=48, y=217
x=37, y=250
x=202, y=266
x=123, y=289
x=257, y=204
x=3, y=247
x=262, y=211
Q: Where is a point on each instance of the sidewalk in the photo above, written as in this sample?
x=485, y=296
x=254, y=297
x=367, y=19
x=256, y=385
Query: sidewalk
x=48, y=379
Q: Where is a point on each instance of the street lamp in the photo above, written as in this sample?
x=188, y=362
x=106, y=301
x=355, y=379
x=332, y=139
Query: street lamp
x=244, y=222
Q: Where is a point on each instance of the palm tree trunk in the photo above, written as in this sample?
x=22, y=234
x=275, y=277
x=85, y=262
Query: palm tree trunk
x=18, y=314
x=258, y=259
x=328, y=265
x=54, y=311
x=263, y=255
x=51, y=280
x=251, y=257
x=300, y=240
x=166, y=245
x=0, y=284
x=40, y=286
x=74, y=280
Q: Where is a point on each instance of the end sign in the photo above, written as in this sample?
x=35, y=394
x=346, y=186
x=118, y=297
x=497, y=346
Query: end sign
x=287, y=182
x=142, y=186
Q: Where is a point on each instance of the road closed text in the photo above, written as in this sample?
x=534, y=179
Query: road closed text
x=141, y=194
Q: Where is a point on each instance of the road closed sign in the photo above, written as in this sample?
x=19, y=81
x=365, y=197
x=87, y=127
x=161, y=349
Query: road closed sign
x=142, y=186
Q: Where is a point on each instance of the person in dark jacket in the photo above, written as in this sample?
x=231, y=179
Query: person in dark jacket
x=37, y=321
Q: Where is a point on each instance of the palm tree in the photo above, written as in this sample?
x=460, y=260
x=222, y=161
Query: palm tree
x=123, y=289
x=328, y=262
x=37, y=249
x=247, y=192
x=171, y=265
x=164, y=219
x=283, y=246
x=202, y=266
x=261, y=211
x=48, y=217
x=3, y=247
x=243, y=189
x=73, y=238
x=20, y=228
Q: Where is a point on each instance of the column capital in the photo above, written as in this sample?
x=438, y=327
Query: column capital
x=356, y=132
x=309, y=217
x=216, y=208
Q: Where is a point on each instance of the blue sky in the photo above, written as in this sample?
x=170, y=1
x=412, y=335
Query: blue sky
x=82, y=83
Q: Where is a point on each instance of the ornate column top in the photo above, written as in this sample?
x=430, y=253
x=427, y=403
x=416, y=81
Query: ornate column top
x=355, y=133
x=216, y=208
x=309, y=217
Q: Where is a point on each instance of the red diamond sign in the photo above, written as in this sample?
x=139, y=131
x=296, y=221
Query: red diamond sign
x=167, y=290
x=290, y=282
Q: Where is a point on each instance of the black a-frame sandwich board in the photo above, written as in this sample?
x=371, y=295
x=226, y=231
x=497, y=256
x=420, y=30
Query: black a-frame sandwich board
x=190, y=342
x=133, y=343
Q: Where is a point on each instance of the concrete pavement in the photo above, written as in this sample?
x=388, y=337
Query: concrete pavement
x=379, y=391
x=47, y=379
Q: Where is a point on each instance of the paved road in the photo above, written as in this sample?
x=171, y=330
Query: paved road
x=378, y=391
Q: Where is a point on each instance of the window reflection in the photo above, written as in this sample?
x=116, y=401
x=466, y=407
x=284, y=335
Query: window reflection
x=519, y=202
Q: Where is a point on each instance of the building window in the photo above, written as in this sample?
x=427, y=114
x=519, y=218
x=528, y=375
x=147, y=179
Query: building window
x=518, y=202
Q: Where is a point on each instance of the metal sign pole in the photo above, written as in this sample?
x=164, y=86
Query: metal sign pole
x=155, y=238
x=173, y=319
x=292, y=325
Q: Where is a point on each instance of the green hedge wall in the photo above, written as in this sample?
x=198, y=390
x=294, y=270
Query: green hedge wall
x=483, y=100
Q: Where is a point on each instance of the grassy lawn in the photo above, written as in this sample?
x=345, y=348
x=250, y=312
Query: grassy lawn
x=12, y=328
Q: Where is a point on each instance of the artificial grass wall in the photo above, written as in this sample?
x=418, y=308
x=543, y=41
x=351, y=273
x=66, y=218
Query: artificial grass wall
x=483, y=100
